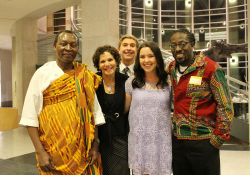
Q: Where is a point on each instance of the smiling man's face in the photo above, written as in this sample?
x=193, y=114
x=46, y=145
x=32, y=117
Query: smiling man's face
x=66, y=48
x=182, y=55
x=128, y=51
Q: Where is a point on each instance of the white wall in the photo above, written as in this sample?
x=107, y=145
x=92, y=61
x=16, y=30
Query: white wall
x=6, y=75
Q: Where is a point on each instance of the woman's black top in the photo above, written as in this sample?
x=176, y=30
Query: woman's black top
x=113, y=109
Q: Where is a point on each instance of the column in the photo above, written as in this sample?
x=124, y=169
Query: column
x=24, y=58
x=100, y=26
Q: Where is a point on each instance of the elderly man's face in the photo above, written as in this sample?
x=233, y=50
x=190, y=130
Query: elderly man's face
x=182, y=55
x=66, y=48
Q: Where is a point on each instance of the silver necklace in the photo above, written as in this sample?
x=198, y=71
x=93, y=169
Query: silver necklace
x=109, y=86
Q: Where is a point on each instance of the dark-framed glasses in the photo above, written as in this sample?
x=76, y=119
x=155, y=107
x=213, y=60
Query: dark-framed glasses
x=181, y=45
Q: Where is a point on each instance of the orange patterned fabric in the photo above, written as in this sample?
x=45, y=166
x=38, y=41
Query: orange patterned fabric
x=67, y=122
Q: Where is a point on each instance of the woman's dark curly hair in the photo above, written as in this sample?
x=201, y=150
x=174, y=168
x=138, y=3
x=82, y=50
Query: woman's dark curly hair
x=139, y=80
x=106, y=48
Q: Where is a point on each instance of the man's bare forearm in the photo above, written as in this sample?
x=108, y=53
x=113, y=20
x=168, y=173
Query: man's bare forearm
x=34, y=135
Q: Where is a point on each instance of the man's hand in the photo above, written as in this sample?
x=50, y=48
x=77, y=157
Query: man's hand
x=93, y=153
x=45, y=161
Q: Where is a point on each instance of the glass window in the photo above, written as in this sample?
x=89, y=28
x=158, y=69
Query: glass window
x=199, y=5
x=201, y=12
x=218, y=18
x=122, y=31
x=167, y=5
x=238, y=22
x=183, y=20
x=166, y=26
x=137, y=24
x=238, y=8
x=123, y=2
x=186, y=26
x=180, y=5
x=168, y=19
x=217, y=4
x=219, y=34
x=202, y=39
x=201, y=19
x=198, y=26
x=123, y=8
x=151, y=35
x=166, y=35
x=137, y=17
x=122, y=15
x=151, y=12
x=136, y=3
x=215, y=25
x=184, y=13
x=155, y=4
x=138, y=32
x=123, y=22
x=170, y=13
x=152, y=19
x=151, y=26
x=237, y=34
x=235, y=16
x=135, y=10
x=217, y=11
x=60, y=15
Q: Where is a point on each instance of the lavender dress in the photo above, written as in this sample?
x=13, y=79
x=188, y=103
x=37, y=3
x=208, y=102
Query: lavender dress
x=149, y=141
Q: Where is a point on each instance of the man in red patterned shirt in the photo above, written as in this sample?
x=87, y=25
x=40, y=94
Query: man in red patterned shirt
x=203, y=109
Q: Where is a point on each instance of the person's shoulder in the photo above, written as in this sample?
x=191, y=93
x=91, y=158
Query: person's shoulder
x=99, y=73
x=45, y=69
x=121, y=76
x=48, y=67
x=211, y=65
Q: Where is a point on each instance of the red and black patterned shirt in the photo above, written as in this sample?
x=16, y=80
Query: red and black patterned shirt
x=203, y=108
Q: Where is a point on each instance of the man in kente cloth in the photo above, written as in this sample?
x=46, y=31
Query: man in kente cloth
x=61, y=113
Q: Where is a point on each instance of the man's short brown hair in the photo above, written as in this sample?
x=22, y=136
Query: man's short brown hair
x=130, y=37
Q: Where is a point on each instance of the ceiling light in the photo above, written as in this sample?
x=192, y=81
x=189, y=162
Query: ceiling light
x=148, y=2
x=188, y=3
x=242, y=27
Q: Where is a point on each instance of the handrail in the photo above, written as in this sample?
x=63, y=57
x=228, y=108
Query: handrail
x=236, y=81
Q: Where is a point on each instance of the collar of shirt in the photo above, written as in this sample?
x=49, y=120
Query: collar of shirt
x=130, y=71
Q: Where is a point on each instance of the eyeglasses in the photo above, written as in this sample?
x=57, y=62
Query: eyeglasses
x=181, y=45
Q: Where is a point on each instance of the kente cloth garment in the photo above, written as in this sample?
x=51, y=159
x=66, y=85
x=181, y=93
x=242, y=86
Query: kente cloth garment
x=203, y=108
x=40, y=81
x=67, y=122
x=150, y=135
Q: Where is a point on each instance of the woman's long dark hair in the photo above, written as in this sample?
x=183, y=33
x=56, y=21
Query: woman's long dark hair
x=139, y=80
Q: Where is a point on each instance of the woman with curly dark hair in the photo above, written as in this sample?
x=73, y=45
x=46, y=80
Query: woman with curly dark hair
x=148, y=102
x=113, y=134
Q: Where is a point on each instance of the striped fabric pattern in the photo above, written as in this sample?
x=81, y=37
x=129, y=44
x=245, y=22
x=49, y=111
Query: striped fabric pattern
x=66, y=122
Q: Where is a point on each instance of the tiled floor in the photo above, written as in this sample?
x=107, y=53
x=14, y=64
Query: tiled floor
x=17, y=155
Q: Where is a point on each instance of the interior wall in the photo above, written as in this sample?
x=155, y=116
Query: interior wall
x=6, y=78
x=42, y=25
